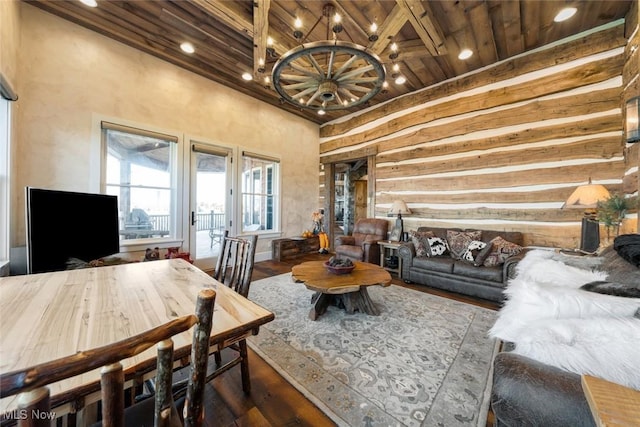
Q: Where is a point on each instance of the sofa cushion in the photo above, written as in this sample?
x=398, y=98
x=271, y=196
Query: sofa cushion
x=459, y=241
x=474, y=249
x=493, y=274
x=420, y=243
x=501, y=249
x=443, y=264
x=436, y=246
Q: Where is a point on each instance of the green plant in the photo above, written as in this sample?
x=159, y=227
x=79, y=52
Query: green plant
x=612, y=211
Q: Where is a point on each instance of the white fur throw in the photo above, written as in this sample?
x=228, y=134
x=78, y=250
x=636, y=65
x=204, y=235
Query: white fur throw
x=551, y=320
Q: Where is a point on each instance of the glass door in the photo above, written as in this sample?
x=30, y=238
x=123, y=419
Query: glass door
x=210, y=202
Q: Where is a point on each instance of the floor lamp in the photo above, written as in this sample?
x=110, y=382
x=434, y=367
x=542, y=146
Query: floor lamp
x=586, y=197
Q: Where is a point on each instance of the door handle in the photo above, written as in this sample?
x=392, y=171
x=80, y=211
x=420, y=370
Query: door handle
x=193, y=218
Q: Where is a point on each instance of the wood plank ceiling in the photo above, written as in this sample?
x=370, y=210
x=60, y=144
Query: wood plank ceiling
x=230, y=36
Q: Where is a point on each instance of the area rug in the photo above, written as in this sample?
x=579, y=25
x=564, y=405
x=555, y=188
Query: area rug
x=424, y=361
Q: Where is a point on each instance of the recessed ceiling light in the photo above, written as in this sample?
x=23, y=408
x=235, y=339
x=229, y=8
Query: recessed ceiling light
x=187, y=47
x=247, y=76
x=565, y=14
x=465, y=54
x=321, y=112
x=90, y=3
x=400, y=80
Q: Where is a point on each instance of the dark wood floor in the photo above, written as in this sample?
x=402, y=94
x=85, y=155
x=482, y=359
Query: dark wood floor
x=272, y=398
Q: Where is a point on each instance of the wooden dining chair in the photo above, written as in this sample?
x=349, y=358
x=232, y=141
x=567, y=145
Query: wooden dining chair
x=234, y=269
x=34, y=396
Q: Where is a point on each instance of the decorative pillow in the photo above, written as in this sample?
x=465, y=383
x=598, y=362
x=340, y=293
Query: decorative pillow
x=473, y=250
x=482, y=255
x=501, y=250
x=437, y=246
x=459, y=241
x=419, y=239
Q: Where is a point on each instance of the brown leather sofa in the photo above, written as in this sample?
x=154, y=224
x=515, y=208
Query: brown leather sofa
x=362, y=245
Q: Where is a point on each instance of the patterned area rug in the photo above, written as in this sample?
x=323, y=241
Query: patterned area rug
x=424, y=361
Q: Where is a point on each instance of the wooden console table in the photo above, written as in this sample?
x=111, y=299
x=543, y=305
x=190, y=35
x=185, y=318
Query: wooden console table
x=611, y=404
x=290, y=247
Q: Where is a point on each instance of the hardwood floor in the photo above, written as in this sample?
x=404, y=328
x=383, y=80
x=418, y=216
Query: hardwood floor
x=273, y=401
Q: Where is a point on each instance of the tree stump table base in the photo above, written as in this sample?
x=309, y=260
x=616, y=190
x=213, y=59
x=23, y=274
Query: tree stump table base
x=347, y=291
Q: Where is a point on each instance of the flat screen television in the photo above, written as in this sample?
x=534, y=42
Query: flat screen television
x=63, y=225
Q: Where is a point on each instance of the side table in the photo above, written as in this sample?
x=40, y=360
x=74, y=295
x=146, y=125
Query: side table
x=391, y=247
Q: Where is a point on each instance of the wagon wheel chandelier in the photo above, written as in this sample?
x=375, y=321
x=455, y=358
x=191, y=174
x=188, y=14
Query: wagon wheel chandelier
x=330, y=74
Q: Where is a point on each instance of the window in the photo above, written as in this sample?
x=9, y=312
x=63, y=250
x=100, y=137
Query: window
x=260, y=177
x=4, y=179
x=141, y=169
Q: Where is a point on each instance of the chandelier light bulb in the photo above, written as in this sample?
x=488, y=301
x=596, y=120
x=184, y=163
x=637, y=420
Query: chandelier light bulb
x=385, y=84
x=337, y=18
x=267, y=80
x=297, y=23
x=374, y=27
x=396, y=67
x=269, y=41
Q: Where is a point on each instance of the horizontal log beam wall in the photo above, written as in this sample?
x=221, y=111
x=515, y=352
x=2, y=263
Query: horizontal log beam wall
x=502, y=148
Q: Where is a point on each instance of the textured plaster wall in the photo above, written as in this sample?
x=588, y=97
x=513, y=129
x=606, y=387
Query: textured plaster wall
x=68, y=74
x=9, y=18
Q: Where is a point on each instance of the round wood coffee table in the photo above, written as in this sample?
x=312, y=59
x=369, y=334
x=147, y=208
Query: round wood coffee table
x=344, y=290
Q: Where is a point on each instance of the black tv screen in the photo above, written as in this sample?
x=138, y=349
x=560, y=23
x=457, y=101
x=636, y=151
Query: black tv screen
x=63, y=225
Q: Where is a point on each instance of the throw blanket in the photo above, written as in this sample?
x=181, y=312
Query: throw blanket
x=549, y=318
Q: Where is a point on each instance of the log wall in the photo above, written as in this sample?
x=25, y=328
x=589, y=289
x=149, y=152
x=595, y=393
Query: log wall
x=503, y=147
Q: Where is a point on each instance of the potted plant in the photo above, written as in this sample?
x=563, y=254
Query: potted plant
x=612, y=211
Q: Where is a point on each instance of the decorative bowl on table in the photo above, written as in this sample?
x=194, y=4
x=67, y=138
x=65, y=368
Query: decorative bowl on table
x=339, y=266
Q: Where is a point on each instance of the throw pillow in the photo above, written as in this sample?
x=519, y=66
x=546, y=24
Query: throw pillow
x=437, y=246
x=459, y=241
x=420, y=243
x=473, y=250
x=501, y=250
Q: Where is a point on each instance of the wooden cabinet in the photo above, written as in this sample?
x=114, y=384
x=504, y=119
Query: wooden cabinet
x=290, y=247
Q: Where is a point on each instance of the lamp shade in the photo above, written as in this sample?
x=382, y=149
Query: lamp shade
x=586, y=196
x=399, y=207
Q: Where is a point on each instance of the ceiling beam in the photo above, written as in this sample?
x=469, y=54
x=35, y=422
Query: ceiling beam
x=260, y=35
x=392, y=24
x=419, y=15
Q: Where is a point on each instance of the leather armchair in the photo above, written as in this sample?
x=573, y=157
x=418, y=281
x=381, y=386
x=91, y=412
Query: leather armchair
x=362, y=245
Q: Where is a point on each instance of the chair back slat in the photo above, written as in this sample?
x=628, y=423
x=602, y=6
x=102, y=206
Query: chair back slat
x=235, y=262
x=34, y=397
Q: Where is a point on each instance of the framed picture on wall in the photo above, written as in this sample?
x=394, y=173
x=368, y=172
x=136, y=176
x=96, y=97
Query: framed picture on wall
x=396, y=234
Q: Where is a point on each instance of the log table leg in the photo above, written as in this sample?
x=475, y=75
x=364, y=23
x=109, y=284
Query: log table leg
x=320, y=302
x=360, y=301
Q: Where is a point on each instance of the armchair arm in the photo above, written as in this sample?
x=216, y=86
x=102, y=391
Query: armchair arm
x=530, y=393
x=371, y=250
x=345, y=240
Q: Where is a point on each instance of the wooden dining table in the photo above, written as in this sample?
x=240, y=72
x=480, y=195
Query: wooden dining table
x=50, y=315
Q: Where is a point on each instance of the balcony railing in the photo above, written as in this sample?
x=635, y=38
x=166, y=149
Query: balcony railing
x=205, y=221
